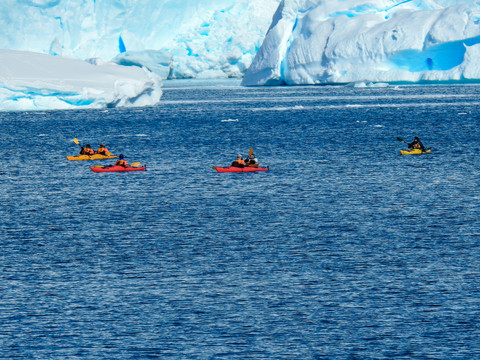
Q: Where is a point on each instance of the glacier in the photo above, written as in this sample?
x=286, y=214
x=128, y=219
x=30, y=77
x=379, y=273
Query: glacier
x=127, y=47
x=358, y=41
x=117, y=52
x=176, y=39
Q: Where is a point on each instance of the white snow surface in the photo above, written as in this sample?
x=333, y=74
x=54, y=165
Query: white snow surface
x=34, y=81
x=338, y=41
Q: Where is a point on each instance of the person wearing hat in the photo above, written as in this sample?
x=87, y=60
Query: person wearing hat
x=239, y=162
x=103, y=150
x=87, y=150
x=251, y=161
x=416, y=144
x=121, y=161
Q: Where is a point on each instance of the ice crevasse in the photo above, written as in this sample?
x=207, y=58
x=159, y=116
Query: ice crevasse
x=335, y=41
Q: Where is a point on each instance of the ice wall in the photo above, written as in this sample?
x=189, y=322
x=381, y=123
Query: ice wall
x=188, y=38
x=335, y=41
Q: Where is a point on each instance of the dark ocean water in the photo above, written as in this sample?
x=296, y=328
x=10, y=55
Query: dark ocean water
x=343, y=250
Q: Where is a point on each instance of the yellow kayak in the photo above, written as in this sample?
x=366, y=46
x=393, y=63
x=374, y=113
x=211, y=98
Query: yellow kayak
x=91, y=157
x=414, y=152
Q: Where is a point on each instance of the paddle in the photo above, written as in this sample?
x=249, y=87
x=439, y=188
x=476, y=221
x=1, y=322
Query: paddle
x=250, y=152
x=76, y=142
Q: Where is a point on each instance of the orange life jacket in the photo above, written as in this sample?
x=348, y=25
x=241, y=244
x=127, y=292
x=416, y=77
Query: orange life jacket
x=240, y=162
x=88, y=151
x=102, y=150
x=121, y=162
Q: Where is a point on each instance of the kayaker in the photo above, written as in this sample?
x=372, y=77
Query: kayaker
x=103, y=150
x=416, y=144
x=239, y=162
x=121, y=161
x=87, y=150
x=251, y=161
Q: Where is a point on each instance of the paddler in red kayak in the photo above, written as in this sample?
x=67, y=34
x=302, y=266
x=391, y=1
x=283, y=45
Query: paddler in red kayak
x=251, y=160
x=121, y=161
x=239, y=162
x=103, y=150
x=87, y=150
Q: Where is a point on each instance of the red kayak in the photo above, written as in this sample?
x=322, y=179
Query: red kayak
x=239, y=169
x=116, y=168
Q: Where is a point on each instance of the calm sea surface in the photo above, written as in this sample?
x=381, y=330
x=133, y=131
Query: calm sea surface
x=343, y=250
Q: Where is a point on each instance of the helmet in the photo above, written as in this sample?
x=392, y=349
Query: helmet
x=102, y=144
x=239, y=155
x=120, y=156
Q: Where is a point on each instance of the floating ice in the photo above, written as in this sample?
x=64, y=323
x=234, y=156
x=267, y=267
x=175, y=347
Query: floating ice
x=335, y=41
x=179, y=39
x=32, y=81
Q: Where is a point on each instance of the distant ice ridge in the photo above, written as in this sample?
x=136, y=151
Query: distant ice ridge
x=175, y=39
x=337, y=41
x=33, y=81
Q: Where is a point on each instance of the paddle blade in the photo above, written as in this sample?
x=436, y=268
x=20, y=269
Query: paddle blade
x=76, y=141
x=400, y=139
x=135, y=164
x=98, y=166
x=250, y=152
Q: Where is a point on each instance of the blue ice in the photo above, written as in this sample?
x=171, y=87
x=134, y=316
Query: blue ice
x=440, y=57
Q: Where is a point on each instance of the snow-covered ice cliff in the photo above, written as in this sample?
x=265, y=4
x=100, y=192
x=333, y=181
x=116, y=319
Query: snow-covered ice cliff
x=176, y=39
x=130, y=45
x=335, y=41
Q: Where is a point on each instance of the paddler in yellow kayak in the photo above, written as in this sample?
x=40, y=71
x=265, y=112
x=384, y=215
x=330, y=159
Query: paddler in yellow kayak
x=103, y=150
x=87, y=150
x=416, y=144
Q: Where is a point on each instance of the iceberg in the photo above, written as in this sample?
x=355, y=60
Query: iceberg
x=175, y=39
x=336, y=41
x=62, y=54
x=34, y=81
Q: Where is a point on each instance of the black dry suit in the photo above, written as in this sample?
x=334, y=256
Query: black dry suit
x=416, y=144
